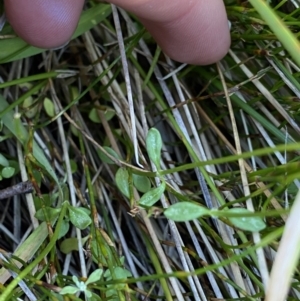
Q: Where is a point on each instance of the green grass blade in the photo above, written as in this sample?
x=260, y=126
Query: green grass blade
x=284, y=35
x=28, y=249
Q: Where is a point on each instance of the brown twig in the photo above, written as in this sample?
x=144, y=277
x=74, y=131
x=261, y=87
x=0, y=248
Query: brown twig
x=20, y=188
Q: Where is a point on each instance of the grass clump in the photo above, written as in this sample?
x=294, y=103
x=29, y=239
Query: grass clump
x=186, y=189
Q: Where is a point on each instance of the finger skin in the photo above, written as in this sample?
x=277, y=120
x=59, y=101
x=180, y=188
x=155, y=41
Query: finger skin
x=190, y=31
x=44, y=23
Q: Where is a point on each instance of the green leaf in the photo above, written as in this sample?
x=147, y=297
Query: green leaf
x=107, y=274
x=3, y=161
x=7, y=172
x=52, y=213
x=122, y=181
x=15, y=165
x=45, y=200
x=105, y=158
x=68, y=245
x=152, y=196
x=185, y=211
x=49, y=107
x=95, y=276
x=70, y=290
x=95, y=297
x=111, y=295
x=88, y=294
x=141, y=183
x=27, y=249
x=93, y=115
x=64, y=228
x=286, y=37
x=79, y=218
x=246, y=223
x=97, y=253
x=74, y=166
x=86, y=210
x=154, y=145
x=29, y=108
x=109, y=113
x=74, y=130
x=121, y=273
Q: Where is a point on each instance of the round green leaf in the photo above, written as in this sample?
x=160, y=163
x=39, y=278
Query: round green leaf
x=15, y=165
x=7, y=172
x=79, y=218
x=51, y=213
x=185, y=211
x=74, y=92
x=152, y=196
x=154, y=145
x=3, y=161
x=68, y=245
x=93, y=115
x=74, y=166
x=70, y=290
x=86, y=210
x=246, y=223
x=141, y=183
x=109, y=113
x=74, y=130
x=49, y=107
x=30, y=110
x=105, y=158
x=121, y=273
x=122, y=181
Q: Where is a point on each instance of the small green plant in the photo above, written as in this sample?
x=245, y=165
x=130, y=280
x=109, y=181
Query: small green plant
x=239, y=217
x=82, y=287
x=78, y=216
x=118, y=273
x=86, y=287
x=229, y=141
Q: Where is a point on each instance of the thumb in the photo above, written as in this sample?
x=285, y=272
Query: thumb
x=190, y=31
x=44, y=23
x=194, y=31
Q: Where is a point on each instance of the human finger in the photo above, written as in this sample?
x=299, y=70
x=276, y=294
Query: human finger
x=190, y=31
x=194, y=31
x=44, y=23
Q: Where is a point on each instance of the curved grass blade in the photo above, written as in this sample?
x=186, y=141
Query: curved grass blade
x=284, y=35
